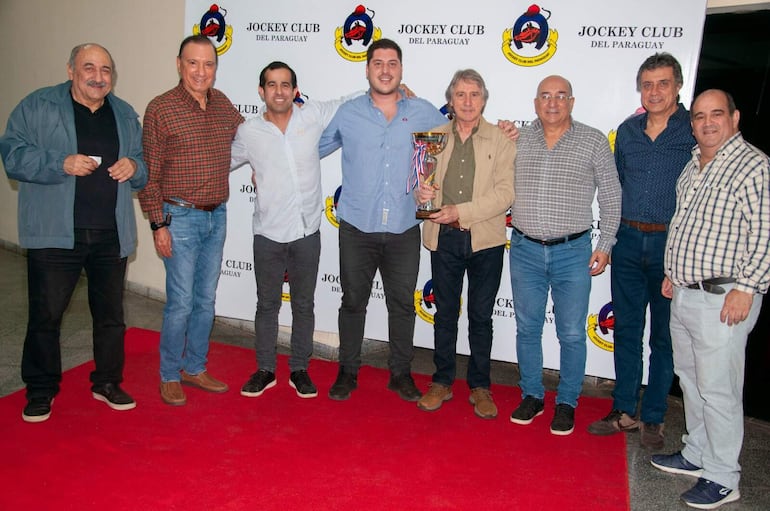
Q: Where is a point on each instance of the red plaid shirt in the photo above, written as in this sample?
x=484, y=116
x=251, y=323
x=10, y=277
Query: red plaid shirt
x=187, y=149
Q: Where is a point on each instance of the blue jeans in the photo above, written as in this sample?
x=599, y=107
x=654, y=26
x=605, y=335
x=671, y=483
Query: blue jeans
x=298, y=259
x=564, y=269
x=449, y=263
x=192, y=274
x=710, y=358
x=52, y=274
x=397, y=256
x=637, y=273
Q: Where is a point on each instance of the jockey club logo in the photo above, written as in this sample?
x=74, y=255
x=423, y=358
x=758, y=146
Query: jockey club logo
x=425, y=300
x=285, y=294
x=600, y=325
x=330, y=207
x=353, y=37
x=530, y=42
x=213, y=26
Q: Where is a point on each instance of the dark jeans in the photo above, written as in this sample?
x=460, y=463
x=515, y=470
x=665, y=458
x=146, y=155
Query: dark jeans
x=397, y=256
x=636, y=276
x=449, y=263
x=299, y=259
x=52, y=276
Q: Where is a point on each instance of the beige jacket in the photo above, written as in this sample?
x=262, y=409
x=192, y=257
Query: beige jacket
x=492, y=188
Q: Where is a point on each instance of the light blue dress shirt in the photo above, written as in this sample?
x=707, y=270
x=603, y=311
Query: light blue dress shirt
x=376, y=161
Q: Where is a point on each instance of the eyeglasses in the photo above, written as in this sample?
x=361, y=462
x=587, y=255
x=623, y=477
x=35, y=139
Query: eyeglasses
x=546, y=97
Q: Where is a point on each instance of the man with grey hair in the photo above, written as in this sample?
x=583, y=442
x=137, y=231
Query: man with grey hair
x=473, y=189
x=76, y=151
x=561, y=165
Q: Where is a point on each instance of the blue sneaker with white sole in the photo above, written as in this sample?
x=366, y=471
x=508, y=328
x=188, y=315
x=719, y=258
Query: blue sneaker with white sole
x=675, y=464
x=709, y=495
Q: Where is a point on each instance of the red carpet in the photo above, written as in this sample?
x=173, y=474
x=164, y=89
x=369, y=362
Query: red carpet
x=280, y=452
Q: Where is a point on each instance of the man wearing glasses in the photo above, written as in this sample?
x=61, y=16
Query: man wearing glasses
x=560, y=165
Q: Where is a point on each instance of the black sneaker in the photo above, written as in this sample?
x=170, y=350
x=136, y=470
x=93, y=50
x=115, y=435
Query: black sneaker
x=258, y=383
x=301, y=382
x=115, y=397
x=38, y=409
x=343, y=386
x=530, y=408
x=563, y=422
x=403, y=385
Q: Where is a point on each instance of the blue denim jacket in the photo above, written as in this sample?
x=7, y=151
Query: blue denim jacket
x=40, y=134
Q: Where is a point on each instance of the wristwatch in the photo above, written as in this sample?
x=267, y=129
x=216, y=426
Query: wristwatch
x=159, y=225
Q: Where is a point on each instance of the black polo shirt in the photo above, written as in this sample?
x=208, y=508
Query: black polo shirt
x=96, y=194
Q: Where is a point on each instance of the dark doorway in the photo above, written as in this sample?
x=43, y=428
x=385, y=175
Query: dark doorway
x=736, y=57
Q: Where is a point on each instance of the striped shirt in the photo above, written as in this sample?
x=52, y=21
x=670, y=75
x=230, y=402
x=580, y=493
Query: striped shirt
x=555, y=188
x=187, y=149
x=721, y=226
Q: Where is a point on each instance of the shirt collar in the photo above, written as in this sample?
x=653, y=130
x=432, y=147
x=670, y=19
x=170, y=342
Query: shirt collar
x=732, y=143
x=188, y=98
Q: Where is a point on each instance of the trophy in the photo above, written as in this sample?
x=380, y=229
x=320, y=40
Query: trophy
x=427, y=144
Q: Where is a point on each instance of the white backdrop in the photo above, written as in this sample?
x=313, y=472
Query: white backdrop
x=597, y=45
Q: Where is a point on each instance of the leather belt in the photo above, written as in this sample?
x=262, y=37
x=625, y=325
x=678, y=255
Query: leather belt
x=712, y=285
x=190, y=205
x=454, y=226
x=644, y=226
x=554, y=241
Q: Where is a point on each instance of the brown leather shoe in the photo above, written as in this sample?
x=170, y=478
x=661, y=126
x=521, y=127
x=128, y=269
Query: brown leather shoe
x=652, y=436
x=435, y=397
x=204, y=381
x=483, y=406
x=172, y=394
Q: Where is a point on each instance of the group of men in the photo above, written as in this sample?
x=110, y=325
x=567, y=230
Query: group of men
x=687, y=221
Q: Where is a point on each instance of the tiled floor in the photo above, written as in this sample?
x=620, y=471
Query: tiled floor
x=650, y=488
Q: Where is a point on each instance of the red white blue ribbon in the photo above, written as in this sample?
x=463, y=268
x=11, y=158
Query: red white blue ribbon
x=418, y=160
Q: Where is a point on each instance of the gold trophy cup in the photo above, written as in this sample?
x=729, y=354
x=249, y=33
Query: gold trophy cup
x=427, y=144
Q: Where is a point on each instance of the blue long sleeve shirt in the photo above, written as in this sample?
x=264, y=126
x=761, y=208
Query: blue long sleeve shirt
x=376, y=161
x=648, y=169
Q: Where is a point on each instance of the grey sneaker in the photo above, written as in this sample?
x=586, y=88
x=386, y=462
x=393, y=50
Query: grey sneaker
x=530, y=408
x=258, y=383
x=615, y=422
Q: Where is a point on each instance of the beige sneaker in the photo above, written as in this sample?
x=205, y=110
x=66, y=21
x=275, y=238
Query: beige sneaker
x=483, y=406
x=435, y=397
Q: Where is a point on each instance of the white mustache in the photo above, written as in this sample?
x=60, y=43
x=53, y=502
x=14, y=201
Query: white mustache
x=94, y=83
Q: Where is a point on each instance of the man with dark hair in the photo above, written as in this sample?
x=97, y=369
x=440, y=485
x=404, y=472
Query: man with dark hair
x=717, y=261
x=282, y=148
x=651, y=149
x=187, y=136
x=473, y=187
x=378, y=228
x=75, y=150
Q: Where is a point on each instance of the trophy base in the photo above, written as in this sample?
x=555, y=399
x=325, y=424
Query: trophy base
x=423, y=214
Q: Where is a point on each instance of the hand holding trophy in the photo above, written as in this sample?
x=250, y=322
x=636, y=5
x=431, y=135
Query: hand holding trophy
x=427, y=144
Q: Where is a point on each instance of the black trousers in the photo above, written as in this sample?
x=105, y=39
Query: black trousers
x=52, y=276
x=397, y=257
